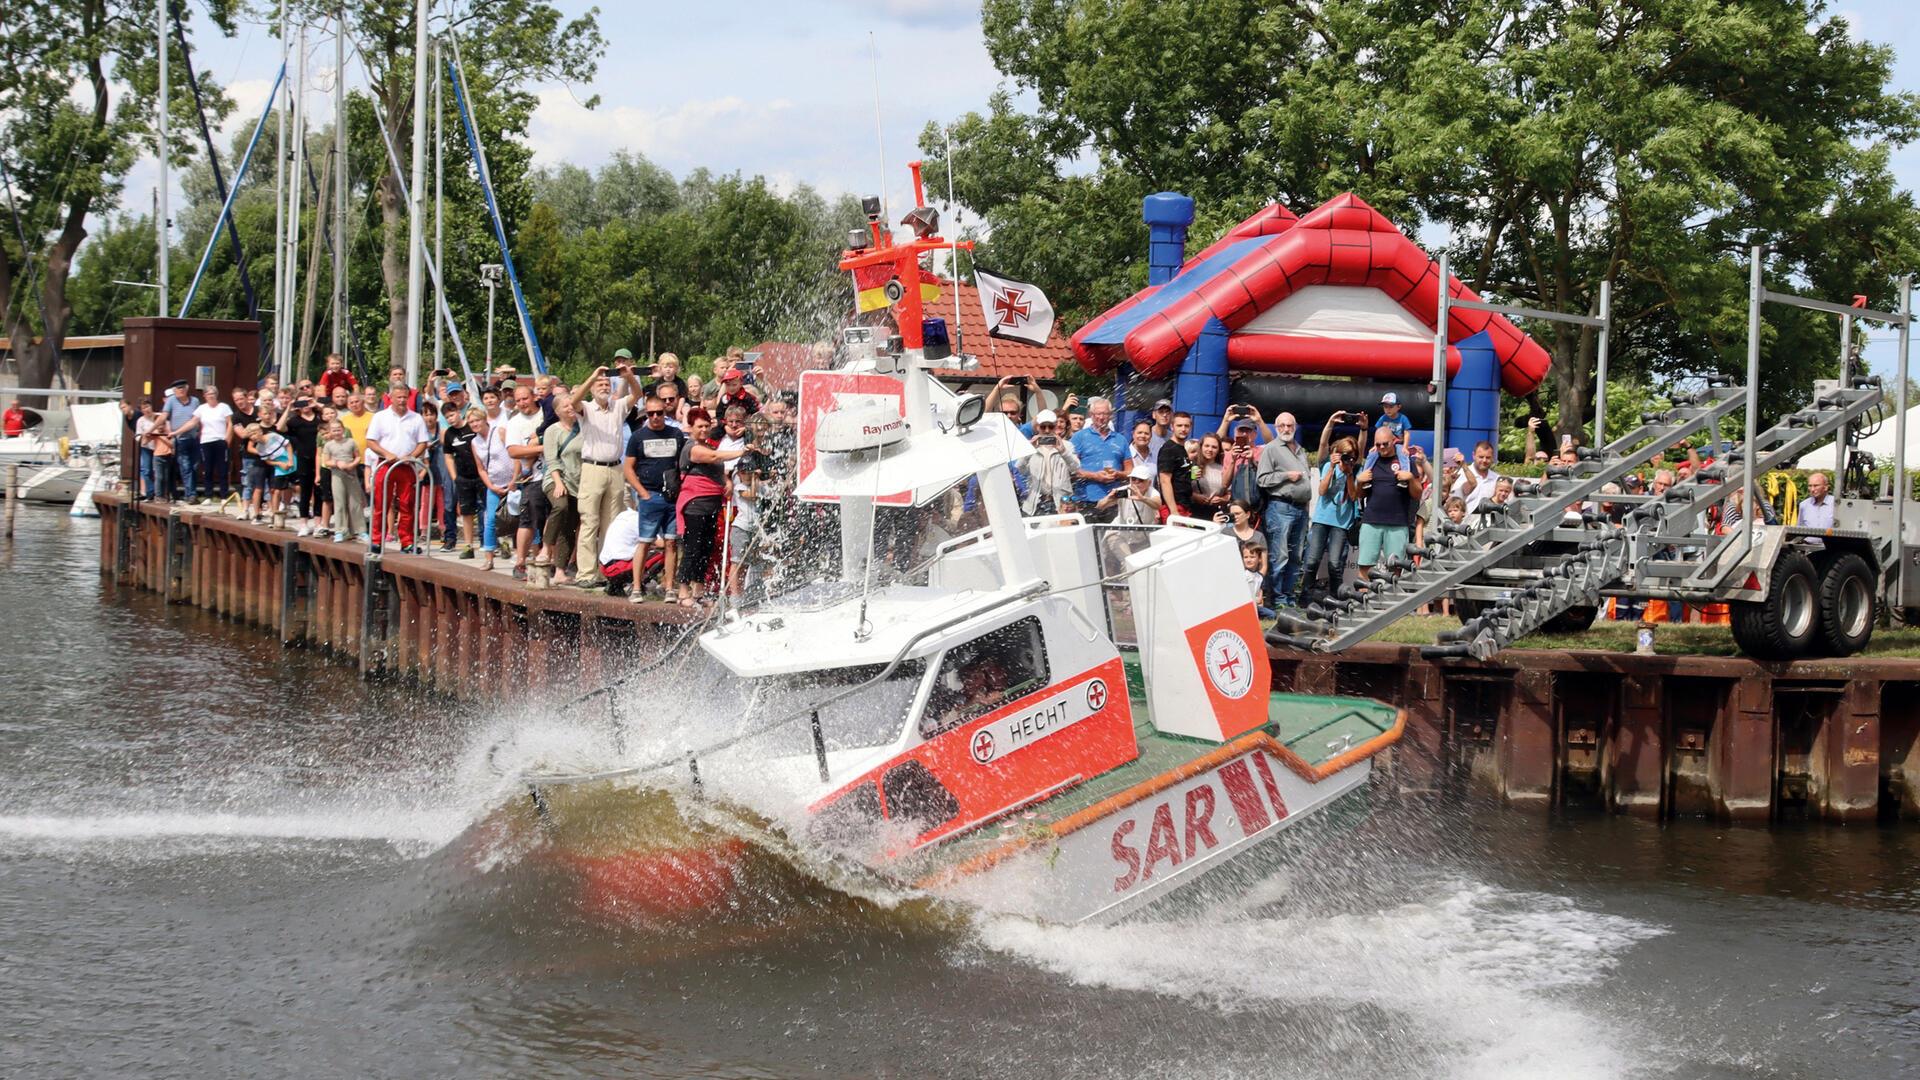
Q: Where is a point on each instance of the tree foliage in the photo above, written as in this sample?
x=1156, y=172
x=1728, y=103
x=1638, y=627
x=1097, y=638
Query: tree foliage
x=1562, y=145
x=78, y=81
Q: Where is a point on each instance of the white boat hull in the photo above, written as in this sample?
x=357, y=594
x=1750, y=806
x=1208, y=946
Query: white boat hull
x=1160, y=842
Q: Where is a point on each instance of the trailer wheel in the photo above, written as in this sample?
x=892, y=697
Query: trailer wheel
x=1785, y=624
x=1846, y=605
x=1574, y=620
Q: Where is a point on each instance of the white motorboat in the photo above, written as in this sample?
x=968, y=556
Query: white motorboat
x=66, y=454
x=1067, y=721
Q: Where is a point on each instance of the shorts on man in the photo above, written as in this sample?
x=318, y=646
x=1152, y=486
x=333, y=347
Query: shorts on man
x=1380, y=541
x=657, y=518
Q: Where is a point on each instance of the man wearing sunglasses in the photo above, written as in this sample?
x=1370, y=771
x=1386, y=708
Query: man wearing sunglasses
x=1051, y=469
x=652, y=467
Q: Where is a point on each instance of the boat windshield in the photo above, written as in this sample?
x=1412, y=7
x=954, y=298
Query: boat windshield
x=872, y=717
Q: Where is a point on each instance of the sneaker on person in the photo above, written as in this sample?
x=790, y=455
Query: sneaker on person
x=636, y=596
x=467, y=552
x=339, y=537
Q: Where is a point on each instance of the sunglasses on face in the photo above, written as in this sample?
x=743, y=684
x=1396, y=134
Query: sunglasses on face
x=656, y=412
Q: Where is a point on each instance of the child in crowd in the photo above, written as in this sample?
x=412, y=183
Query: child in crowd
x=340, y=456
x=1456, y=508
x=1253, y=560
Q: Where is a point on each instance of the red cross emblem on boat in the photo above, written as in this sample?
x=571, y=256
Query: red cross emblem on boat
x=1097, y=694
x=1010, y=307
x=1228, y=663
x=983, y=746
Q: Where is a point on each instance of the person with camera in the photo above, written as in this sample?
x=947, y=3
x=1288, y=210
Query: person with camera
x=1257, y=427
x=1390, y=481
x=1336, y=505
x=1477, y=479
x=301, y=426
x=1009, y=397
x=1283, y=477
x=603, y=441
x=651, y=467
x=1051, y=469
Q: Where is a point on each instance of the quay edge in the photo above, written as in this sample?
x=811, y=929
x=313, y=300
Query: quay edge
x=1657, y=737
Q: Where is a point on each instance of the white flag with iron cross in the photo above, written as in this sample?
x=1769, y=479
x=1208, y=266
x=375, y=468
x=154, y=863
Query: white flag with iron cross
x=1015, y=310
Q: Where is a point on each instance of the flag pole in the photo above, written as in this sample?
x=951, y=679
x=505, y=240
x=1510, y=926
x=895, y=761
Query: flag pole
x=959, y=339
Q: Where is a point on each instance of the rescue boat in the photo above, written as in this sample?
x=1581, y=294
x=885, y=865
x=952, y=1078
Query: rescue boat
x=1066, y=720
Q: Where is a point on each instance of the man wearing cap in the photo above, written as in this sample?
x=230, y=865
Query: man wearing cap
x=1392, y=417
x=1103, y=452
x=1135, y=503
x=603, y=439
x=396, y=434
x=1162, y=426
x=735, y=391
x=1050, y=471
x=1283, y=472
x=185, y=427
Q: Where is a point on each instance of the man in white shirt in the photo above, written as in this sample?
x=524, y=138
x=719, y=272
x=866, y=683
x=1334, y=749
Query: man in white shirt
x=1478, y=479
x=216, y=421
x=603, y=439
x=618, y=551
x=396, y=434
x=1816, y=510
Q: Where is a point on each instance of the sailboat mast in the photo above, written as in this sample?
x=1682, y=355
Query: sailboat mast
x=439, y=204
x=415, y=267
x=339, y=179
x=280, y=305
x=296, y=201
x=160, y=211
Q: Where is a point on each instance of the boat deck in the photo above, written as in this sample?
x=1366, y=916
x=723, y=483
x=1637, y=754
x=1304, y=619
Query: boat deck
x=1315, y=729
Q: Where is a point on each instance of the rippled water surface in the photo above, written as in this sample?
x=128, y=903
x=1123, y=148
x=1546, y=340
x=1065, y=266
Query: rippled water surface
x=222, y=858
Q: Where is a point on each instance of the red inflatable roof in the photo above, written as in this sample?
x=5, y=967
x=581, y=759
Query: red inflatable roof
x=1265, y=259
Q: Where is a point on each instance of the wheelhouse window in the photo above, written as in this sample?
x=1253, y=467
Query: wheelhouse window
x=871, y=717
x=983, y=674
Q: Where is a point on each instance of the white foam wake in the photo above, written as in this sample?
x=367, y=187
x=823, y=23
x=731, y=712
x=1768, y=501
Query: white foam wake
x=410, y=830
x=1474, y=968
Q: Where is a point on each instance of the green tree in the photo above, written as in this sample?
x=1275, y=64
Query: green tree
x=1564, y=144
x=78, y=80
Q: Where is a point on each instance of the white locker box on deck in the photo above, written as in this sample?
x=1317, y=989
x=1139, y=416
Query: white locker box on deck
x=1201, y=651
x=1063, y=555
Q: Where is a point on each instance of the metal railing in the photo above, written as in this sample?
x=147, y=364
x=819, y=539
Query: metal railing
x=425, y=505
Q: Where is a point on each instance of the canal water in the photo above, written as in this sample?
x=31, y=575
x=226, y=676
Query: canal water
x=219, y=858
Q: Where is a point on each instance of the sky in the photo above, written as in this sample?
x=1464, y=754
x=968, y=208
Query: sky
x=787, y=90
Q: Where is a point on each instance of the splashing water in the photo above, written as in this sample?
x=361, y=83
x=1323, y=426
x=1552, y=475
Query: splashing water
x=1474, y=970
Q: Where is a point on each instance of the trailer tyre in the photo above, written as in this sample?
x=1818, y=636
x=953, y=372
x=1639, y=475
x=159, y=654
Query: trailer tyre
x=1786, y=624
x=1574, y=620
x=1846, y=605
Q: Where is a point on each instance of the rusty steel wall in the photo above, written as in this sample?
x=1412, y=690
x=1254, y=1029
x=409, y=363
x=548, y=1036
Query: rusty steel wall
x=1658, y=737
x=447, y=626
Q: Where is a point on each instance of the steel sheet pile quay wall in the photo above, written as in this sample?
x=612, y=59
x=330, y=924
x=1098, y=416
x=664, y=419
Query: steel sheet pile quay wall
x=450, y=627
x=1658, y=737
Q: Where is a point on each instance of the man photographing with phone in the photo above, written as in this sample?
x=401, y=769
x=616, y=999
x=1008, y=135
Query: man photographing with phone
x=603, y=441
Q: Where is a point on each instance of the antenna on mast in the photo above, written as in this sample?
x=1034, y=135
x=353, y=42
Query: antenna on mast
x=879, y=132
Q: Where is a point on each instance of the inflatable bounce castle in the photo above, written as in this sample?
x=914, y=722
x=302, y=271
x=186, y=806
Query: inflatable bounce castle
x=1339, y=292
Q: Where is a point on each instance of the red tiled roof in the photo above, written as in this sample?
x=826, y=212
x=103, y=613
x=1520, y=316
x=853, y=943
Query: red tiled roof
x=781, y=362
x=998, y=356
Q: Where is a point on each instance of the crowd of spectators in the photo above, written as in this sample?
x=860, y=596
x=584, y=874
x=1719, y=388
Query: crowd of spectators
x=654, y=483
x=633, y=481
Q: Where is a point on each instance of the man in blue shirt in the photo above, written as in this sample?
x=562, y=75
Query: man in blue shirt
x=179, y=408
x=1103, y=452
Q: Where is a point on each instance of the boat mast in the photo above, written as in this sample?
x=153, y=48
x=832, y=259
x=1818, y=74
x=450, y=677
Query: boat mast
x=415, y=266
x=280, y=207
x=439, y=204
x=296, y=194
x=160, y=203
x=339, y=178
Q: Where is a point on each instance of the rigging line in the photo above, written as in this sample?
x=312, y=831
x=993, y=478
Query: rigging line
x=213, y=157
x=433, y=268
